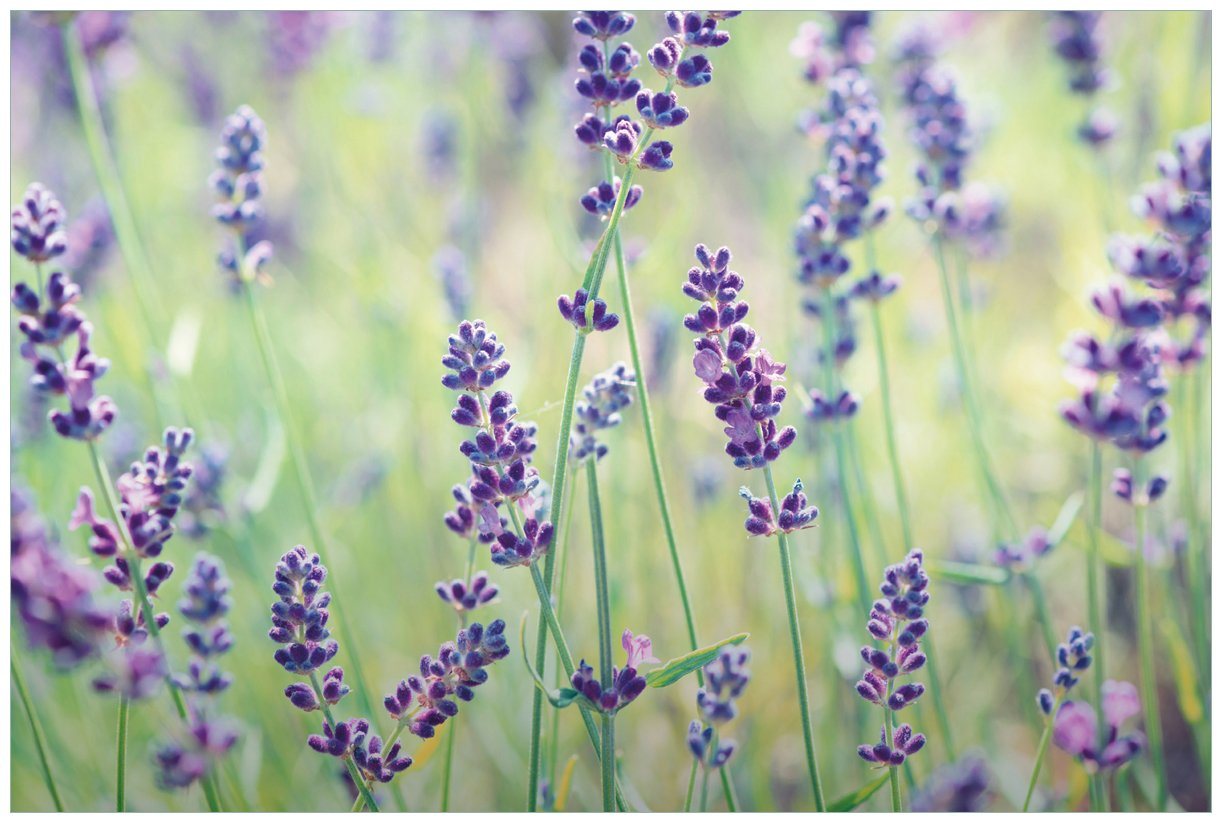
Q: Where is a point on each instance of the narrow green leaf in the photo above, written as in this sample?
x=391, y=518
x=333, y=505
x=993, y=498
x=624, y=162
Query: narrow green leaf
x=854, y=799
x=675, y=670
x=970, y=573
x=558, y=698
x=1065, y=519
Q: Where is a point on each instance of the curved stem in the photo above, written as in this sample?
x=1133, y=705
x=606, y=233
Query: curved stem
x=1041, y=752
x=40, y=740
x=121, y=756
x=602, y=601
x=795, y=637
x=1145, y=639
x=301, y=469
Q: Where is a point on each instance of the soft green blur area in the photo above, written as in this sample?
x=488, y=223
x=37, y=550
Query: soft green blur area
x=357, y=211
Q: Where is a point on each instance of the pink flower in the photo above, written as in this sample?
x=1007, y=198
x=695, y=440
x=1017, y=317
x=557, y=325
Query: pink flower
x=1120, y=702
x=742, y=428
x=1075, y=730
x=707, y=364
x=639, y=649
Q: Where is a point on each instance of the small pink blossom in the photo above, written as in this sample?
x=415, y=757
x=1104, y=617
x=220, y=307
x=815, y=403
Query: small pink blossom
x=639, y=649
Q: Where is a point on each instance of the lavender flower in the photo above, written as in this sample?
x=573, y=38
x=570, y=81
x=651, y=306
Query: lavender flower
x=795, y=513
x=467, y=597
x=1075, y=730
x=238, y=184
x=450, y=267
x=54, y=597
x=202, y=508
x=135, y=672
x=897, y=620
x=586, y=315
x=600, y=201
x=499, y=452
x=299, y=617
x=599, y=409
x=963, y=786
x=1073, y=658
x=424, y=702
x=50, y=318
x=740, y=377
x=725, y=679
x=626, y=684
x=1021, y=555
x=179, y=764
x=1076, y=40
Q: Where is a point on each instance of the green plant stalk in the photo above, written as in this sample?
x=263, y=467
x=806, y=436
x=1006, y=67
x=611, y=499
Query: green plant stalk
x=1041, y=611
x=558, y=593
x=842, y=477
x=357, y=779
x=727, y=787
x=795, y=637
x=301, y=469
x=603, y=602
x=897, y=804
x=144, y=603
x=893, y=454
x=1195, y=558
x=121, y=756
x=995, y=497
x=704, y=791
x=448, y=766
x=1094, y=598
x=591, y=282
x=1145, y=639
x=111, y=184
x=1042, y=751
x=864, y=494
x=40, y=740
x=691, y=789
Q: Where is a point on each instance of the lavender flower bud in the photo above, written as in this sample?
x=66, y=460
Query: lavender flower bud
x=599, y=409
x=299, y=617
x=37, y=225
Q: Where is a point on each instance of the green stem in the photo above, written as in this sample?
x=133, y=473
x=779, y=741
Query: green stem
x=301, y=468
x=727, y=788
x=449, y=764
x=121, y=756
x=558, y=594
x=602, y=601
x=995, y=496
x=795, y=637
x=357, y=780
x=1042, y=615
x=1094, y=598
x=1042, y=751
x=893, y=454
x=704, y=790
x=691, y=788
x=1145, y=638
x=40, y=740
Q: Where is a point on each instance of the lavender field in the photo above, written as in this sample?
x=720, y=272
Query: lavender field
x=610, y=411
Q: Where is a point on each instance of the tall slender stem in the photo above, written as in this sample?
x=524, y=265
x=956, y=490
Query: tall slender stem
x=1094, y=598
x=1042, y=751
x=603, y=602
x=558, y=594
x=893, y=454
x=1145, y=638
x=691, y=788
x=301, y=469
x=40, y=740
x=121, y=755
x=449, y=766
x=795, y=637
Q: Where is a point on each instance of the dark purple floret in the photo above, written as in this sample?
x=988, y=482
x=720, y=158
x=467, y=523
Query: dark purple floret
x=596, y=318
x=424, y=702
x=36, y=229
x=964, y=786
x=660, y=110
x=725, y=679
x=1075, y=37
x=691, y=29
x=475, y=360
x=181, y=763
x=238, y=178
x=903, y=744
x=875, y=286
x=626, y=683
x=656, y=156
x=299, y=617
x=205, y=604
x=621, y=140
x=466, y=597
x=603, y=25
x=600, y=200
x=1073, y=658
x=843, y=407
x=795, y=513
x=607, y=81
x=700, y=744
x=54, y=597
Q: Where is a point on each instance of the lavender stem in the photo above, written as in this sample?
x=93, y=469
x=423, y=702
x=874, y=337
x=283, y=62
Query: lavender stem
x=40, y=741
x=795, y=637
x=1145, y=642
x=1042, y=751
x=357, y=779
x=121, y=756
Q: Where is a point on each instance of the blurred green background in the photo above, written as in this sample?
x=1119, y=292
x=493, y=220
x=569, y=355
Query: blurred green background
x=394, y=135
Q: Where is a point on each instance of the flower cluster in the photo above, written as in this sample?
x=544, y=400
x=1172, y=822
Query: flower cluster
x=205, y=605
x=740, y=377
x=848, y=45
x=725, y=679
x=299, y=617
x=500, y=452
x=897, y=621
x=50, y=317
x=424, y=702
x=939, y=129
x=466, y=597
x=795, y=513
x=1073, y=658
x=238, y=185
x=605, y=82
x=54, y=596
x=1076, y=40
x=599, y=409
x=352, y=740
x=202, y=509
x=963, y=786
x=1076, y=731
x=1020, y=555
x=626, y=684
x=1121, y=382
